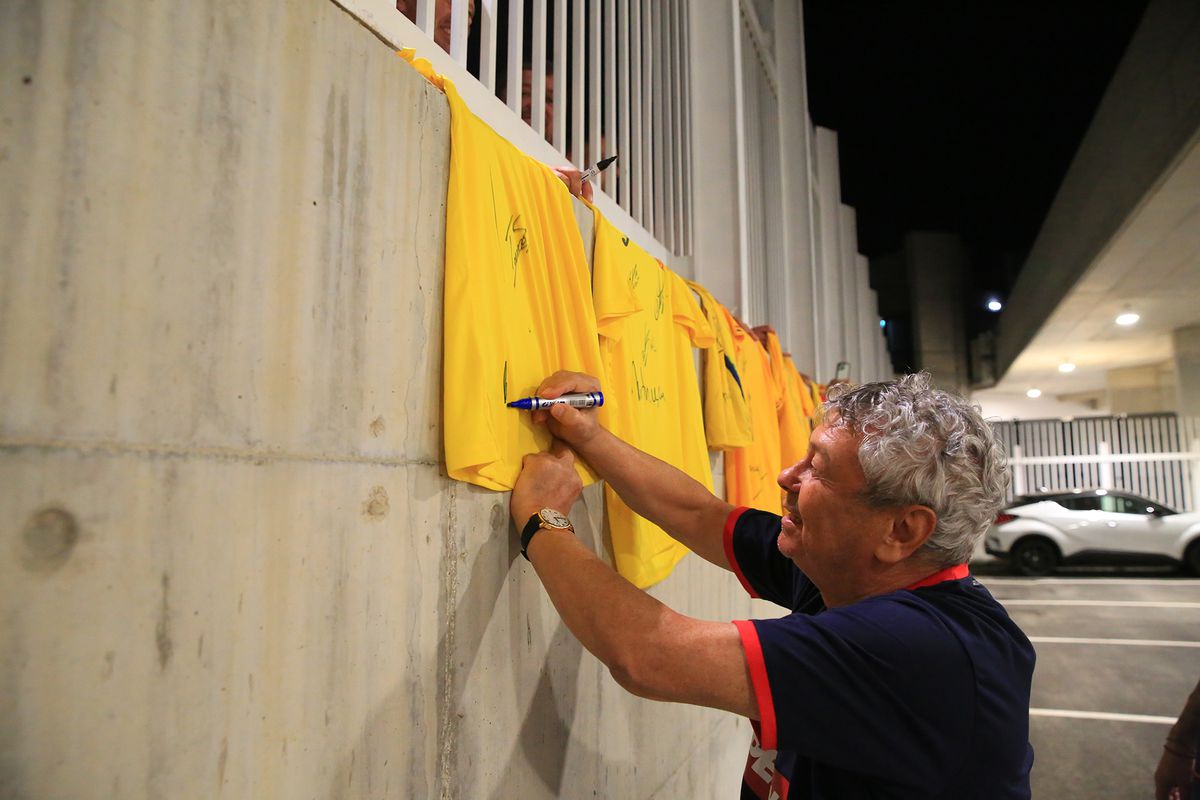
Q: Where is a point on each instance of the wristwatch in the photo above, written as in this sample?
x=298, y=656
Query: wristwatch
x=547, y=518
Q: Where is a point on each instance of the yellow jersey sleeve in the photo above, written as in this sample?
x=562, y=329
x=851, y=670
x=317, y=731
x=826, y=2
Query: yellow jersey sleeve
x=751, y=472
x=795, y=424
x=517, y=300
x=726, y=413
x=652, y=396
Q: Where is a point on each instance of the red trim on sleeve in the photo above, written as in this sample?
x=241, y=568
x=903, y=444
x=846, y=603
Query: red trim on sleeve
x=758, y=678
x=730, y=524
x=957, y=572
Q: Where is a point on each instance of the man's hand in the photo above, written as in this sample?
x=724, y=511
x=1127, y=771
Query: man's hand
x=573, y=178
x=547, y=480
x=572, y=425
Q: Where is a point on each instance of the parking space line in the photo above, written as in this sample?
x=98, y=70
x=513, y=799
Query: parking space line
x=1101, y=715
x=1126, y=642
x=1107, y=603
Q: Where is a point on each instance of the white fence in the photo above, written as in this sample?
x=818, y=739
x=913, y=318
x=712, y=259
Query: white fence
x=611, y=77
x=1153, y=455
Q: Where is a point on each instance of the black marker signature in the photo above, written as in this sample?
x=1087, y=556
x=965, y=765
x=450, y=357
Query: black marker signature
x=518, y=242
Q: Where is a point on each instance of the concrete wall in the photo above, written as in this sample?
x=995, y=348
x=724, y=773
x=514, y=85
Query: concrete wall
x=232, y=566
x=936, y=264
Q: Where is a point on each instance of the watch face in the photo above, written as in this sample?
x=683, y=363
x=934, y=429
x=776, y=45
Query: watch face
x=553, y=518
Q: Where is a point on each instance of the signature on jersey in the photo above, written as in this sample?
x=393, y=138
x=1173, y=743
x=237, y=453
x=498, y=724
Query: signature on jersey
x=660, y=300
x=648, y=347
x=645, y=393
x=518, y=241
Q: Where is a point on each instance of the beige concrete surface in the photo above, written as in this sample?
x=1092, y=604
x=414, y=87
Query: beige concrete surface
x=230, y=563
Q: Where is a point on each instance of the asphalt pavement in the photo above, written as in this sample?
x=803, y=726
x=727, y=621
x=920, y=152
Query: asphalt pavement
x=1118, y=651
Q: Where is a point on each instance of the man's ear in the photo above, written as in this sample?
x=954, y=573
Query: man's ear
x=911, y=527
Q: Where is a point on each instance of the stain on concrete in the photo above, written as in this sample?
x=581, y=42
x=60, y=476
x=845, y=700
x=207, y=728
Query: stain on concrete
x=48, y=538
x=378, y=426
x=162, y=631
x=109, y=659
x=376, y=505
x=200, y=646
x=221, y=759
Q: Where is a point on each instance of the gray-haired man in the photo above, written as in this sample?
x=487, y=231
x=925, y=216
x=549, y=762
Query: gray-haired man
x=895, y=675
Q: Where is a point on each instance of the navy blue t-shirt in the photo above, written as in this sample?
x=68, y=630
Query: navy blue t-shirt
x=918, y=693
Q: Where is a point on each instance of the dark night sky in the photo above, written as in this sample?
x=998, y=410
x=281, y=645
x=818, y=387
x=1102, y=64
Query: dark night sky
x=960, y=116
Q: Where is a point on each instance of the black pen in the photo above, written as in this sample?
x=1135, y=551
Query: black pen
x=596, y=168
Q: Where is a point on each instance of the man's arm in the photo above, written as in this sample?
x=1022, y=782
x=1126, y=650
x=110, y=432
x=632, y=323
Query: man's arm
x=1179, y=751
x=666, y=496
x=650, y=650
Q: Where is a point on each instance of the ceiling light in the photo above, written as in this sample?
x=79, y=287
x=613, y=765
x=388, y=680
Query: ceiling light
x=1033, y=394
x=1066, y=366
x=994, y=305
x=1127, y=319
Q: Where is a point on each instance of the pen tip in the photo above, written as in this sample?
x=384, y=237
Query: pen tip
x=604, y=162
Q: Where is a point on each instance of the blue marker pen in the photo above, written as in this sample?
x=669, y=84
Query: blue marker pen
x=582, y=400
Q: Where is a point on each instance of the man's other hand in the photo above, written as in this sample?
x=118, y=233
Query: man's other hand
x=573, y=425
x=573, y=178
x=547, y=480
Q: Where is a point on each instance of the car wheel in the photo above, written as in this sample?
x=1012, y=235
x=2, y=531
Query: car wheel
x=1192, y=557
x=1035, y=557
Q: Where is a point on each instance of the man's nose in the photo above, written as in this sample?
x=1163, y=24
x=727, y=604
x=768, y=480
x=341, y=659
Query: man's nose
x=790, y=476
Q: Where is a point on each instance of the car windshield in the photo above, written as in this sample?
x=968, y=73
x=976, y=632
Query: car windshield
x=1095, y=500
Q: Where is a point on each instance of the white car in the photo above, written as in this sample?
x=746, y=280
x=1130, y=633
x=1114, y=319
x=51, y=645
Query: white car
x=1039, y=532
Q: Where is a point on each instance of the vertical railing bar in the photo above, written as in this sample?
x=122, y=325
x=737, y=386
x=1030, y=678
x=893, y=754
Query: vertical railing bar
x=594, y=89
x=425, y=18
x=686, y=69
x=637, y=177
x=622, y=167
x=577, y=72
x=741, y=145
x=487, y=44
x=656, y=111
x=537, y=71
x=648, y=171
x=458, y=31
x=676, y=136
x=559, y=138
x=679, y=127
x=516, y=36
x=667, y=86
x=608, y=177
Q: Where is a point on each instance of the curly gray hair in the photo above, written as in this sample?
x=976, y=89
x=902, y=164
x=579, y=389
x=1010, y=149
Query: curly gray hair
x=928, y=447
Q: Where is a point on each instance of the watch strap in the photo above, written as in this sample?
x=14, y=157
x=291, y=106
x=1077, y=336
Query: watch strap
x=531, y=527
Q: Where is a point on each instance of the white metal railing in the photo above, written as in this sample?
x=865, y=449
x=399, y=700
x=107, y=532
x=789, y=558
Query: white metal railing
x=1153, y=455
x=610, y=77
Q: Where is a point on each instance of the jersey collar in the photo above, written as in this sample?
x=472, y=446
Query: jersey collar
x=957, y=572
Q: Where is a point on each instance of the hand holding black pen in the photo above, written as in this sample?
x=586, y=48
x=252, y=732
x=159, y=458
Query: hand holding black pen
x=577, y=181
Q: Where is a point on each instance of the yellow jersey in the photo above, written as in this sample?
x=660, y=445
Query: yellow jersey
x=793, y=425
x=648, y=321
x=798, y=396
x=726, y=411
x=751, y=472
x=517, y=299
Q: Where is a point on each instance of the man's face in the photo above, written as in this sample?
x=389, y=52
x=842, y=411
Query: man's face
x=441, y=29
x=527, y=99
x=441, y=18
x=828, y=530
